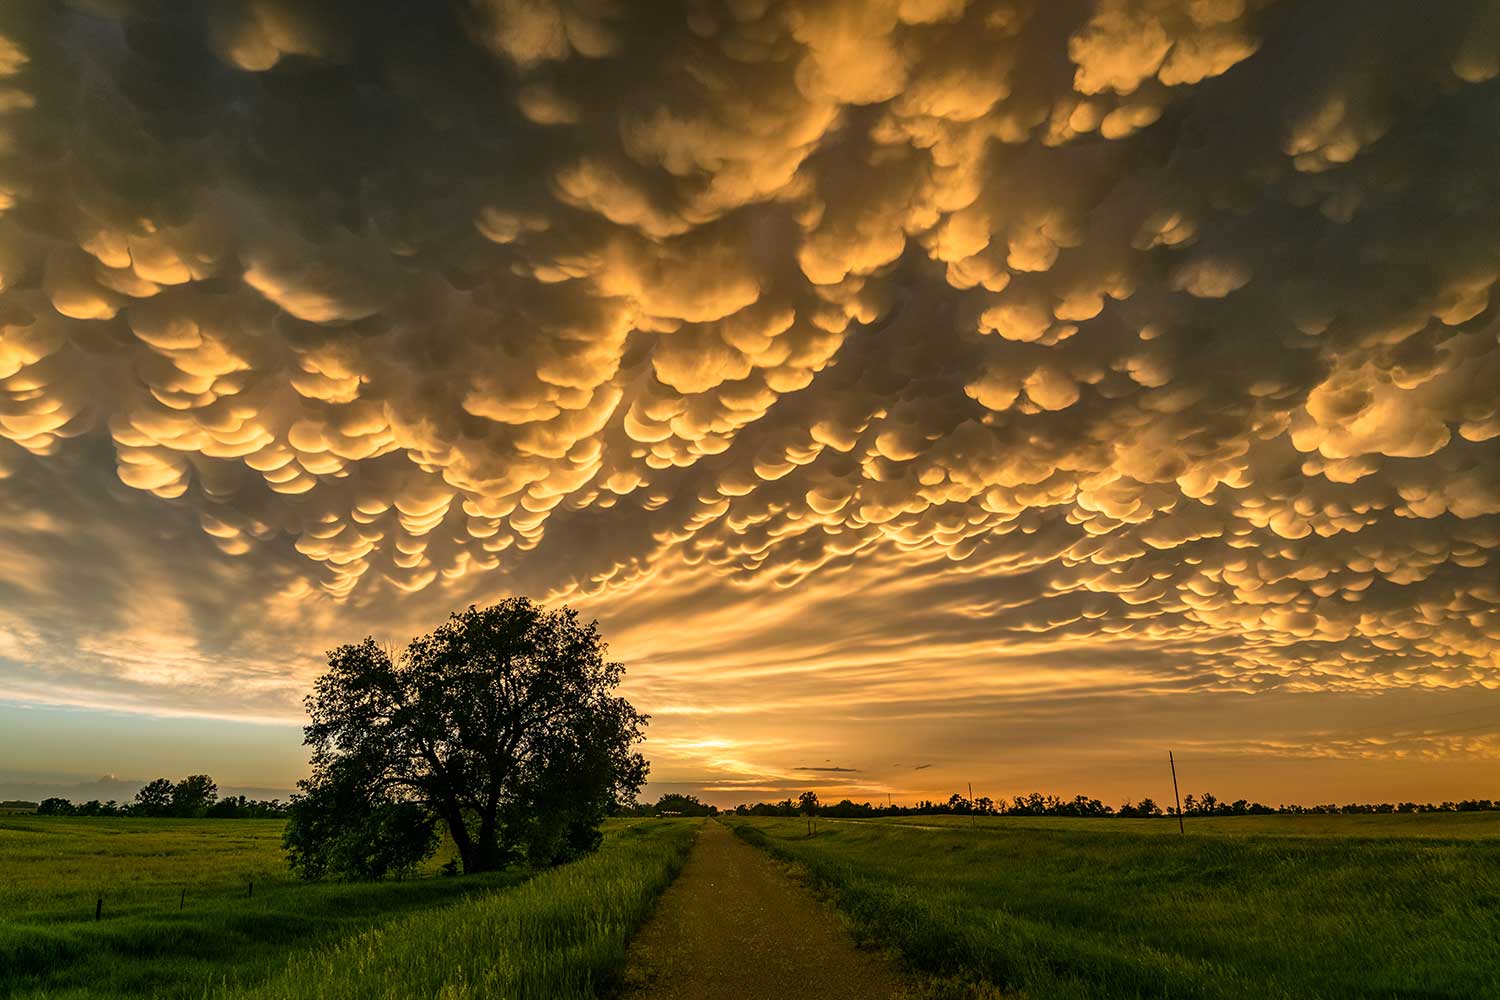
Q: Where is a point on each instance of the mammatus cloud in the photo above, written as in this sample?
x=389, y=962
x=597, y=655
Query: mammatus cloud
x=1160, y=326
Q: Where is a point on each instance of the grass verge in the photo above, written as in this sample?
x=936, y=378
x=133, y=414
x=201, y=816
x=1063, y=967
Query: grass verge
x=1044, y=914
x=559, y=936
x=179, y=917
x=179, y=912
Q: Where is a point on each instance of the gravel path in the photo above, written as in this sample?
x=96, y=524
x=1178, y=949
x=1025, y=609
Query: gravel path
x=734, y=926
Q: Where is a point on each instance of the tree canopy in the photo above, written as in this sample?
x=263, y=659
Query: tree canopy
x=501, y=724
x=155, y=798
x=194, y=795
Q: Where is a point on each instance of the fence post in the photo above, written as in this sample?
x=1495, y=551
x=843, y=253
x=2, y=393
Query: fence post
x=250, y=894
x=181, y=900
x=99, y=908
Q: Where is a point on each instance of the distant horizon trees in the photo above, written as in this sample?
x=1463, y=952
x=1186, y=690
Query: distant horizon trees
x=671, y=804
x=154, y=798
x=194, y=797
x=679, y=804
x=1037, y=804
x=189, y=798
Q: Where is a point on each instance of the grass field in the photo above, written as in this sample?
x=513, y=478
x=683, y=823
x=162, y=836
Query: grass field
x=1307, y=907
x=1442, y=826
x=560, y=936
x=54, y=870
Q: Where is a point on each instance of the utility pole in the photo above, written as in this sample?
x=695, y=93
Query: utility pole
x=1175, y=796
x=973, y=820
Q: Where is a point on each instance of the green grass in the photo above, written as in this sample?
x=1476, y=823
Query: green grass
x=1095, y=909
x=1443, y=826
x=52, y=870
x=560, y=936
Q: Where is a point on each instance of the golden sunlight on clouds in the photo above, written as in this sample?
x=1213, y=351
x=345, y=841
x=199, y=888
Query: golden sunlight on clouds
x=836, y=354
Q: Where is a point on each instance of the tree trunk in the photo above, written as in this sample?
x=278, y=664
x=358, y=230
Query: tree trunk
x=454, y=817
x=487, y=844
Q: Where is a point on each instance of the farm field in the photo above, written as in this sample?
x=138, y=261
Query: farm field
x=1100, y=909
x=224, y=939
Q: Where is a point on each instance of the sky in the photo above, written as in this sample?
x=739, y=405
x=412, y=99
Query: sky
x=918, y=392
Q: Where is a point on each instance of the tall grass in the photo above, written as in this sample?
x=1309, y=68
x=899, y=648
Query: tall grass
x=178, y=914
x=53, y=869
x=559, y=936
x=1103, y=913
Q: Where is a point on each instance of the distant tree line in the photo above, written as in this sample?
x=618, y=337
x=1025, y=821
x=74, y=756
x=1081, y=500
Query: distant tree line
x=194, y=797
x=672, y=804
x=1037, y=804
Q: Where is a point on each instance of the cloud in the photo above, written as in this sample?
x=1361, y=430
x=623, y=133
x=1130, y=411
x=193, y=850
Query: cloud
x=830, y=770
x=1148, y=327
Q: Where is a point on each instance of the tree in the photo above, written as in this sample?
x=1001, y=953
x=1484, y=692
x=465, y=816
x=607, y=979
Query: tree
x=337, y=827
x=501, y=724
x=807, y=803
x=54, y=807
x=229, y=807
x=154, y=798
x=677, y=804
x=193, y=795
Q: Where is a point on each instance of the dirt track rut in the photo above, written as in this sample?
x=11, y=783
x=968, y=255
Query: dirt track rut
x=734, y=926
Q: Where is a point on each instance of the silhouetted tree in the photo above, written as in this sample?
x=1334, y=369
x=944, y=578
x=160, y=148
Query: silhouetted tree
x=154, y=798
x=54, y=807
x=240, y=807
x=193, y=795
x=226, y=808
x=502, y=724
x=338, y=828
x=677, y=804
x=807, y=803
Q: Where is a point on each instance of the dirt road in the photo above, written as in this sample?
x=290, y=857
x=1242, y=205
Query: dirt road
x=734, y=926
